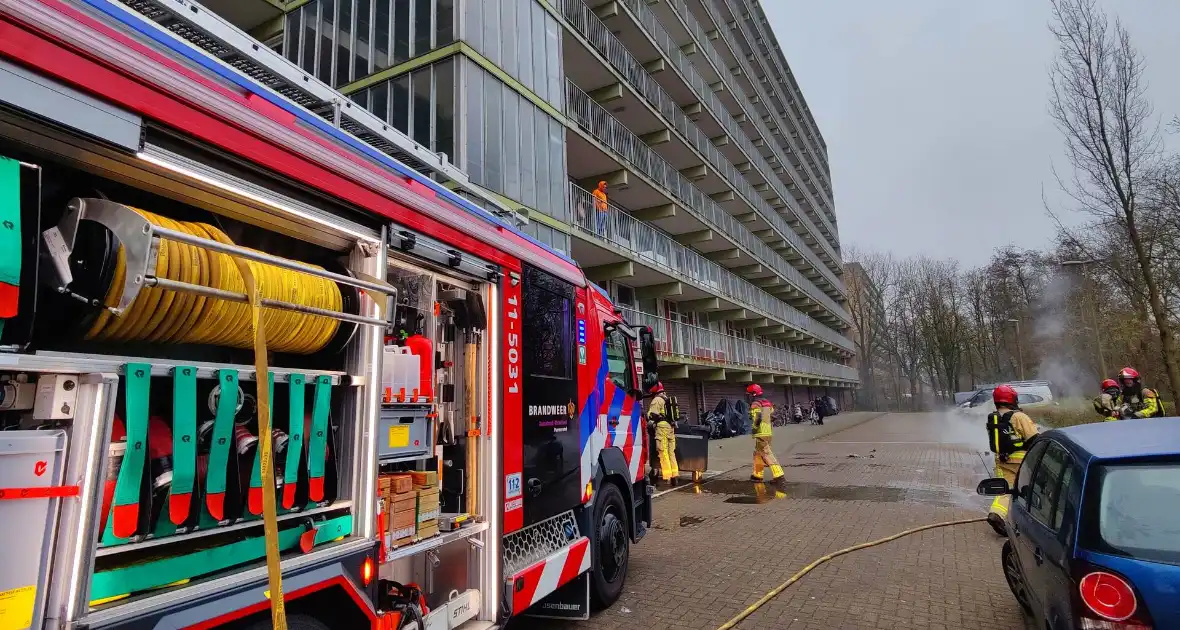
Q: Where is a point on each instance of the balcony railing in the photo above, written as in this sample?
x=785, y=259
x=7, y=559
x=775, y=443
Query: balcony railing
x=582, y=19
x=703, y=43
x=740, y=52
x=658, y=250
x=684, y=341
x=631, y=149
x=705, y=92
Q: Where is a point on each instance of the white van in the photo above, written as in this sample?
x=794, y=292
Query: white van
x=1029, y=395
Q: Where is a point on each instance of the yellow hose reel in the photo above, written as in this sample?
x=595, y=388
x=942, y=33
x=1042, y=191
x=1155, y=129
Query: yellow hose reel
x=177, y=282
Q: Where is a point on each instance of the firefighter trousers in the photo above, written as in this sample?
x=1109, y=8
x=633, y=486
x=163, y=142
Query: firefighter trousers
x=666, y=449
x=764, y=458
x=1007, y=470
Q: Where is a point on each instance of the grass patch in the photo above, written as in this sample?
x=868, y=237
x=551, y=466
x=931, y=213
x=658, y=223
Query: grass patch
x=1070, y=412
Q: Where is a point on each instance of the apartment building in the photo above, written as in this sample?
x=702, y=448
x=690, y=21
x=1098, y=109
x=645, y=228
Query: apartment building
x=720, y=231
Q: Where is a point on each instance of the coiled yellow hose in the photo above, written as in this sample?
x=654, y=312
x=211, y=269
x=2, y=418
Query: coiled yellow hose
x=165, y=316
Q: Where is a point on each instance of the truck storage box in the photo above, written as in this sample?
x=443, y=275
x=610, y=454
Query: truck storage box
x=405, y=433
x=30, y=462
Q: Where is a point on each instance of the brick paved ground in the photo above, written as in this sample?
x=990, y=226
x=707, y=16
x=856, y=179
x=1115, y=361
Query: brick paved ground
x=717, y=548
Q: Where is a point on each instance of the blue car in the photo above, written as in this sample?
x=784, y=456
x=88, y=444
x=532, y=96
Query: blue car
x=1094, y=527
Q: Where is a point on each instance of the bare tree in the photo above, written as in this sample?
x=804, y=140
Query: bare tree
x=868, y=277
x=1100, y=104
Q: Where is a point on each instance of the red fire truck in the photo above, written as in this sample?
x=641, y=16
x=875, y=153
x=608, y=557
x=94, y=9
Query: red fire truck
x=218, y=275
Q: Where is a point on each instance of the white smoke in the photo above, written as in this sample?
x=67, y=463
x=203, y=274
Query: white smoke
x=1058, y=363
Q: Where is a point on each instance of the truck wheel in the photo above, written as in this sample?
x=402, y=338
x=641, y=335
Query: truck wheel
x=294, y=622
x=611, y=546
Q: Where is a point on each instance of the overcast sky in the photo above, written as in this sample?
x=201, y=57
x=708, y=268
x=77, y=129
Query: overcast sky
x=935, y=113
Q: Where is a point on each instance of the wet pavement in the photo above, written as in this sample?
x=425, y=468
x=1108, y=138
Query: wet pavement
x=717, y=547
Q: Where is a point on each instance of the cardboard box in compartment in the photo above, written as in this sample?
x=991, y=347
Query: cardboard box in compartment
x=402, y=521
x=427, y=530
x=391, y=485
x=425, y=478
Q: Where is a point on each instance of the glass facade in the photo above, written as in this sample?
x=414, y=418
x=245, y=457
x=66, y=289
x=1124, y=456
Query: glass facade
x=420, y=104
x=341, y=41
x=520, y=37
x=512, y=146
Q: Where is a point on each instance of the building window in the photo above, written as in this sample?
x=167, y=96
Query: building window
x=444, y=23
x=323, y=69
x=382, y=20
x=423, y=25
x=343, y=43
x=400, y=106
x=444, y=112
x=520, y=37
x=420, y=104
x=362, y=51
x=401, y=31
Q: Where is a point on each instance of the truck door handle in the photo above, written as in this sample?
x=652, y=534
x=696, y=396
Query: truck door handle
x=535, y=486
x=1039, y=556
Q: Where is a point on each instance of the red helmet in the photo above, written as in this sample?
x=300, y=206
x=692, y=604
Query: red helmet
x=1109, y=383
x=1004, y=395
x=1129, y=374
x=754, y=389
x=659, y=387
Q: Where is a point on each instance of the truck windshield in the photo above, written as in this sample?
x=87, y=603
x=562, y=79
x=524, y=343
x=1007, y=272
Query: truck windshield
x=1134, y=511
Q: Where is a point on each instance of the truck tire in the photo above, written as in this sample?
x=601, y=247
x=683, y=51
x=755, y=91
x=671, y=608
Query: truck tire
x=294, y=622
x=610, y=545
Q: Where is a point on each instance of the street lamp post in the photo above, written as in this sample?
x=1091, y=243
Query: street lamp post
x=1092, y=308
x=1019, y=351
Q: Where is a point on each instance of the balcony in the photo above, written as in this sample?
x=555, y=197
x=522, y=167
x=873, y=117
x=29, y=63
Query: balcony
x=678, y=11
x=582, y=20
x=703, y=88
x=675, y=262
x=677, y=342
x=747, y=52
x=605, y=128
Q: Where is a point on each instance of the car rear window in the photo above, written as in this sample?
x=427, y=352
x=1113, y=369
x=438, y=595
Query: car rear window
x=1133, y=510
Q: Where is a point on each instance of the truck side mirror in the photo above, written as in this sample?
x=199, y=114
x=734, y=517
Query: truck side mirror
x=647, y=353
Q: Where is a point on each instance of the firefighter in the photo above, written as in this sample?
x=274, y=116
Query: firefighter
x=662, y=413
x=1138, y=401
x=1109, y=403
x=763, y=430
x=1009, y=432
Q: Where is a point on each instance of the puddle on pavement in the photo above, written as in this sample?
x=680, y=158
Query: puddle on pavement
x=685, y=521
x=750, y=493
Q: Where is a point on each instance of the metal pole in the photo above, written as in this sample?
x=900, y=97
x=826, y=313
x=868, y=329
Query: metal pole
x=1019, y=350
x=1094, y=316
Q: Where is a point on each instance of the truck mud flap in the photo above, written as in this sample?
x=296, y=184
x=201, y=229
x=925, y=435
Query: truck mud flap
x=540, y=579
x=571, y=601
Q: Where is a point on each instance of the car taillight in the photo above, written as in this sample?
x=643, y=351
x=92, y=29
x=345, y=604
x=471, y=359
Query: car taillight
x=1109, y=603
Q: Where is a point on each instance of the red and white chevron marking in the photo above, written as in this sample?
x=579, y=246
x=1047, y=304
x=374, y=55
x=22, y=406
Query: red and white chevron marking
x=532, y=584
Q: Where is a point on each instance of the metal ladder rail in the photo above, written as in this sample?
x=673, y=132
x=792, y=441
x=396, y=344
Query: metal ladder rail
x=209, y=32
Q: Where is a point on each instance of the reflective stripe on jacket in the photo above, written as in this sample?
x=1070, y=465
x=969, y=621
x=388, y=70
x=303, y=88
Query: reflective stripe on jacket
x=760, y=412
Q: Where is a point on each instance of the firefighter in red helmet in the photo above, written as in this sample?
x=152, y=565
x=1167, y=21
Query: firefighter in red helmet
x=1009, y=432
x=760, y=411
x=1138, y=401
x=661, y=414
x=1109, y=403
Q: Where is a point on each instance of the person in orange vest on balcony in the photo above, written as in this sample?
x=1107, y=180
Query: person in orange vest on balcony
x=760, y=412
x=601, y=208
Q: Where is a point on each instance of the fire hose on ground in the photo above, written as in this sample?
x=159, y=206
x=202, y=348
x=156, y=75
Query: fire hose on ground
x=732, y=623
